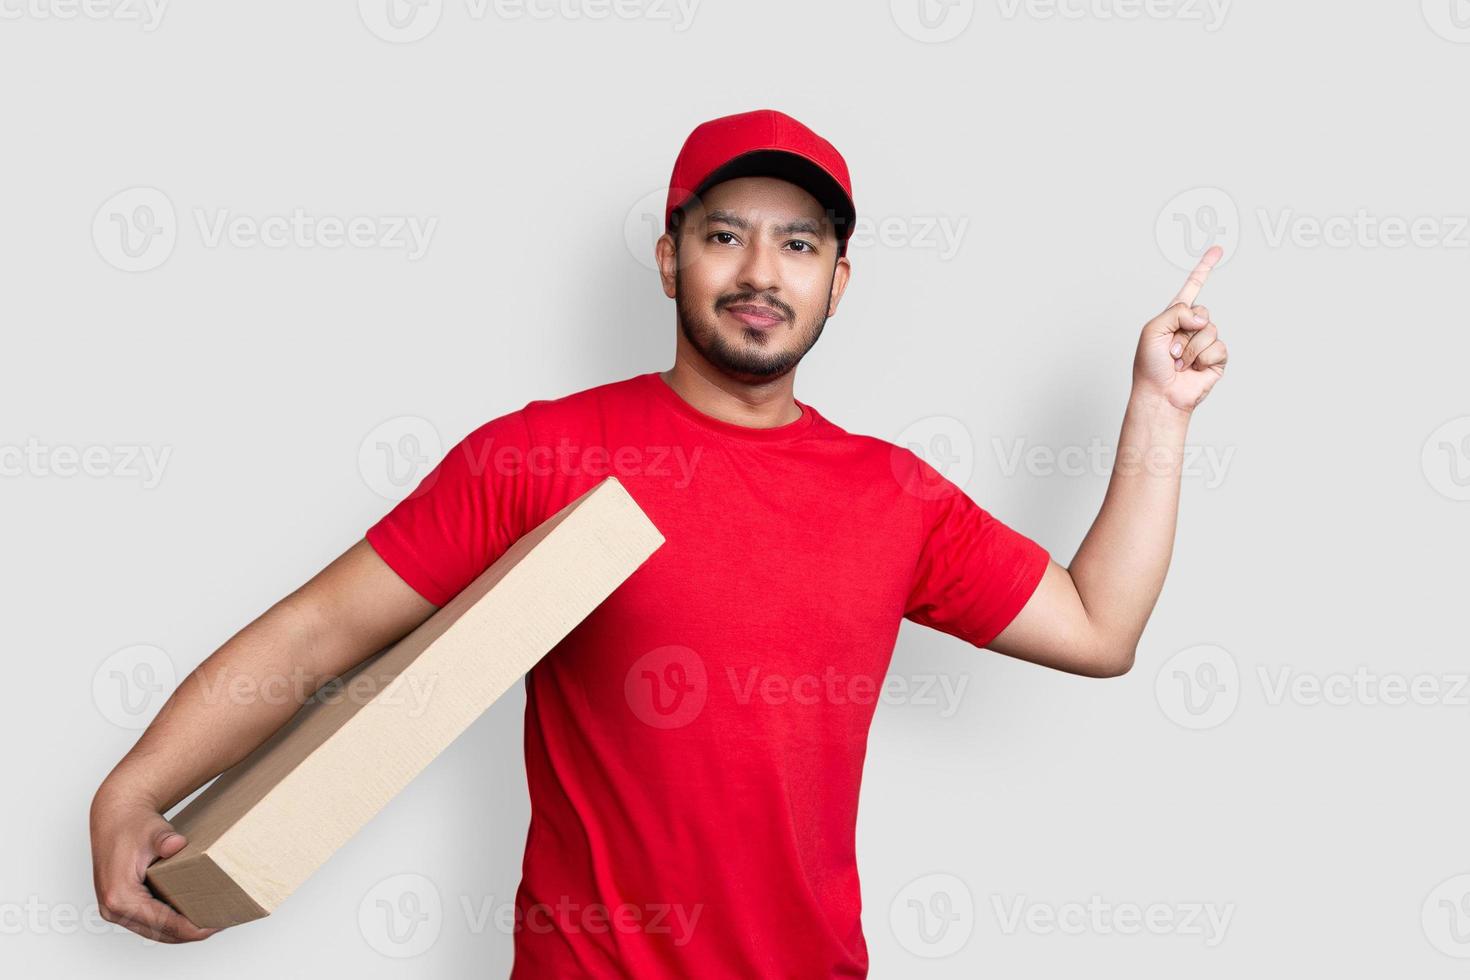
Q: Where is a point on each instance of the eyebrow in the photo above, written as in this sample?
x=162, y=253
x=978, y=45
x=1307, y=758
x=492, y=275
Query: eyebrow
x=806, y=225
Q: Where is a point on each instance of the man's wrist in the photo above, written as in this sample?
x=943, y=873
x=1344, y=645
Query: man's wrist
x=1153, y=437
x=117, y=790
x=1154, y=406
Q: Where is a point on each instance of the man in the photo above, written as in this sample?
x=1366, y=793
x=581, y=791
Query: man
x=694, y=748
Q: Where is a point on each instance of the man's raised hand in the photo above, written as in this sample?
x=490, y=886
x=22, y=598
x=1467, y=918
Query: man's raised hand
x=1180, y=356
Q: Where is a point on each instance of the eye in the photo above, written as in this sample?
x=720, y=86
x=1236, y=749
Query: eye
x=809, y=246
x=720, y=233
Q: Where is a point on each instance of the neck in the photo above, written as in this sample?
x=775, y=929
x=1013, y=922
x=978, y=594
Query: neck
x=762, y=405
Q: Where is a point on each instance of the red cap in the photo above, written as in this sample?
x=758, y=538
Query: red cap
x=763, y=143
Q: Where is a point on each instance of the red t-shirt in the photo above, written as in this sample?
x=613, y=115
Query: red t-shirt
x=694, y=747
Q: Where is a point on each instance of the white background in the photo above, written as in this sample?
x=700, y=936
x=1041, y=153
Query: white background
x=1076, y=155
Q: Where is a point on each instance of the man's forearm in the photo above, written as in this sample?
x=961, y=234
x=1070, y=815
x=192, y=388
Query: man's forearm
x=231, y=703
x=1119, y=568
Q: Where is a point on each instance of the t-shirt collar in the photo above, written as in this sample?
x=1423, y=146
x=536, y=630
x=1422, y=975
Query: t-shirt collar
x=791, y=430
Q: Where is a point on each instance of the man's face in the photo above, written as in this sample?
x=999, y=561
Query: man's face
x=754, y=245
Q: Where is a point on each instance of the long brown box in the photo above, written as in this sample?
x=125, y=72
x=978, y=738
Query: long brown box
x=260, y=829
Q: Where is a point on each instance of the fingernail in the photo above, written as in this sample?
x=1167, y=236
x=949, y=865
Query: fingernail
x=1178, y=364
x=1177, y=349
x=1199, y=319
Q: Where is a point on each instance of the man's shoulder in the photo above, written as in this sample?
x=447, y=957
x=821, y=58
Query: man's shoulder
x=902, y=461
x=858, y=443
x=553, y=413
x=583, y=397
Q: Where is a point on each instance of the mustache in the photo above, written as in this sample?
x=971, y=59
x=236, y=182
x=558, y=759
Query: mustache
x=755, y=300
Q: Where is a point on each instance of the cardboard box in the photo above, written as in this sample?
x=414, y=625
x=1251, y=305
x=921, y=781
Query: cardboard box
x=261, y=828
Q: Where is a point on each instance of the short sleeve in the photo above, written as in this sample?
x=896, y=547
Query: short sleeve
x=974, y=573
x=464, y=514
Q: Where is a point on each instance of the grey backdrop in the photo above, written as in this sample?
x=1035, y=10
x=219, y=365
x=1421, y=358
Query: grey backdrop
x=199, y=412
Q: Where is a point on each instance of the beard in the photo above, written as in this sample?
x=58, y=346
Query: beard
x=764, y=355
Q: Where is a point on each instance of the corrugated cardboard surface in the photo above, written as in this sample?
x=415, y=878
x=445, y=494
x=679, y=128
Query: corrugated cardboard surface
x=265, y=825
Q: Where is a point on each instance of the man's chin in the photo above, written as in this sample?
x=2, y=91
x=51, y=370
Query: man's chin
x=747, y=366
x=730, y=347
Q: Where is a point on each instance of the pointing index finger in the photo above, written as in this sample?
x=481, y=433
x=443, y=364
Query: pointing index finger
x=1197, y=278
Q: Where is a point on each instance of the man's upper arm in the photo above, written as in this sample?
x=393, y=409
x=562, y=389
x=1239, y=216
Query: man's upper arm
x=358, y=605
x=983, y=581
x=1053, y=630
x=973, y=572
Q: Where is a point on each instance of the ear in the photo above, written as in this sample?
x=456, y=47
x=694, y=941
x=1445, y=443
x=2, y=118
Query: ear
x=667, y=257
x=840, y=276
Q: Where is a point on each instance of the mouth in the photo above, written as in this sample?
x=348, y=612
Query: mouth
x=755, y=316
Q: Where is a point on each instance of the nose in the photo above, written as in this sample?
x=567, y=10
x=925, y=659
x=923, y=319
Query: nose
x=758, y=271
